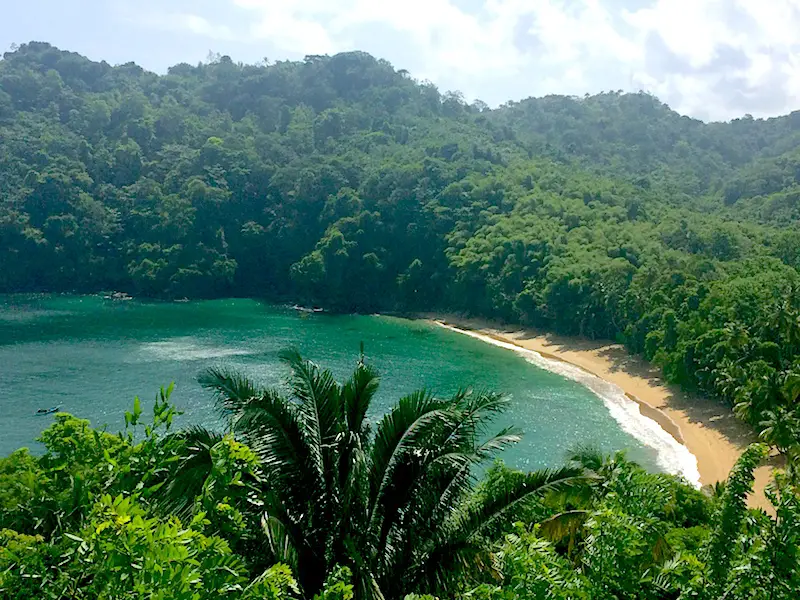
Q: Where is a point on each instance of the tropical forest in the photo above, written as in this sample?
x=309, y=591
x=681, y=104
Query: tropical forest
x=342, y=183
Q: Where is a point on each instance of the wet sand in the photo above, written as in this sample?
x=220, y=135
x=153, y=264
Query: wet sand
x=707, y=428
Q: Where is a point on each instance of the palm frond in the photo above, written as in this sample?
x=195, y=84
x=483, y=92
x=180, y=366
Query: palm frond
x=498, y=442
x=280, y=542
x=396, y=427
x=429, y=471
x=395, y=506
x=455, y=550
x=502, y=499
x=460, y=428
x=444, y=569
x=426, y=505
x=318, y=397
x=272, y=428
x=449, y=496
x=564, y=525
x=479, y=408
x=444, y=478
x=231, y=388
x=367, y=586
x=357, y=394
x=193, y=467
x=589, y=457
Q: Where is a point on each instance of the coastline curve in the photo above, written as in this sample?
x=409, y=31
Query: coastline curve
x=647, y=424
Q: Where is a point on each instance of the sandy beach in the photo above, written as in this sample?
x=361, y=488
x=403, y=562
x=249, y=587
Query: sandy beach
x=707, y=428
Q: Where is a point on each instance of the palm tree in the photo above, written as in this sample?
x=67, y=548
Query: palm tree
x=604, y=466
x=179, y=490
x=394, y=505
x=782, y=325
x=780, y=425
x=575, y=506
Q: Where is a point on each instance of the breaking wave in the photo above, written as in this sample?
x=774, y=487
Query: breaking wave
x=186, y=349
x=672, y=456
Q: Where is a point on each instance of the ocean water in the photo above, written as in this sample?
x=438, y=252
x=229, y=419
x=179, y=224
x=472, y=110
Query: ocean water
x=92, y=356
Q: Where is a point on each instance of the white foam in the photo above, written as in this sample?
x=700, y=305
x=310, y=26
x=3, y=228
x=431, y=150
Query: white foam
x=23, y=315
x=188, y=349
x=672, y=456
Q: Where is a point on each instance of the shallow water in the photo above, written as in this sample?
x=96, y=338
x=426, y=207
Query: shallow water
x=92, y=356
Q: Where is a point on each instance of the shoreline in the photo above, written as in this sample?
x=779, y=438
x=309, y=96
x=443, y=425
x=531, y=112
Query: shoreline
x=709, y=430
x=649, y=411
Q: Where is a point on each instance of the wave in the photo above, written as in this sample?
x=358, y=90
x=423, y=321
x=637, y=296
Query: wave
x=672, y=456
x=12, y=315
x=186, y=349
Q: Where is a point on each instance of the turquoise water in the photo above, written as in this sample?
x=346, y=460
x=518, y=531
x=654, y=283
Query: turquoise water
x=92, y=356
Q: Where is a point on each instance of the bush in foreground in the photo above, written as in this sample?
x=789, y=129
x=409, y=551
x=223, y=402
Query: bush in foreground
x=300, y=498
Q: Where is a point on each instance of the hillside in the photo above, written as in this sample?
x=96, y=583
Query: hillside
x=637, y=136
x=343, y=181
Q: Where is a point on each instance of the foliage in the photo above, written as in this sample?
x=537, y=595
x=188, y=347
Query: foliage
x=362, y=513
x=633, y=540
x=393, y=506
x=341, y=181
x=337, y=585
x=532, y=568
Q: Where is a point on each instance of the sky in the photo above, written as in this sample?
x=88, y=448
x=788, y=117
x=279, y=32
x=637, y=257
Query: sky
x=710, y=59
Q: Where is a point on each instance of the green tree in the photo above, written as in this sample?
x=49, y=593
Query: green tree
x=392, y=504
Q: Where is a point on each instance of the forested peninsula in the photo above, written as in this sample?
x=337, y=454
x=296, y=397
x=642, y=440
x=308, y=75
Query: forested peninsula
x=344, y=182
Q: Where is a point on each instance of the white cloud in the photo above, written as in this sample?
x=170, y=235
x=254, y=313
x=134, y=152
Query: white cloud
x=177, y=21
x=291, y=25
x=690, y=28
x=708, y=58
x=199, y=25
x=727, y=57
x=445, y=37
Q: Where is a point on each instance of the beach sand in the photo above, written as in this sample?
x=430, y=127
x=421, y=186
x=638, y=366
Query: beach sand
x=707, y=428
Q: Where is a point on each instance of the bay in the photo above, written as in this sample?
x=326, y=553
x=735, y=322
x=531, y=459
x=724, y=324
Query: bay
x=92, y=356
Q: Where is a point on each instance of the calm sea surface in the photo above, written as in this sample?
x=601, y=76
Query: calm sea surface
x=92, y=356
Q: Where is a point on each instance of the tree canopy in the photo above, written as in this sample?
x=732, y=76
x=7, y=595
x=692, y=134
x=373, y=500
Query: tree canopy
x=341, y=181
x=298, y=496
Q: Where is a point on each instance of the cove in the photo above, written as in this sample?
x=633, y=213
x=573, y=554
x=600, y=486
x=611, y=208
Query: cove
x=92, y=356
